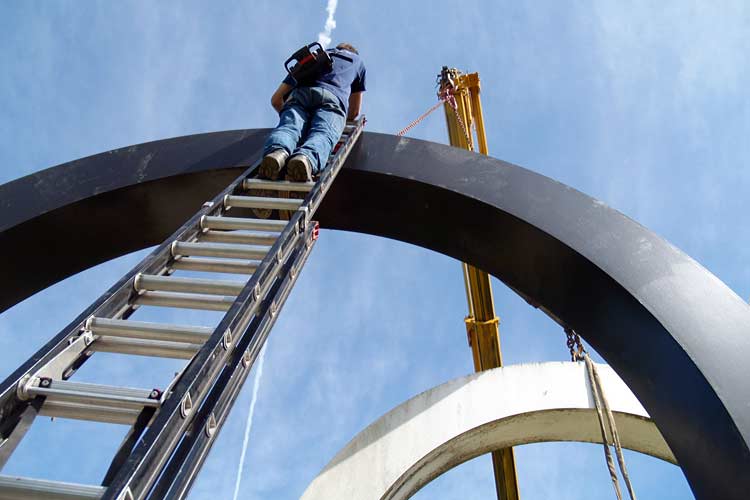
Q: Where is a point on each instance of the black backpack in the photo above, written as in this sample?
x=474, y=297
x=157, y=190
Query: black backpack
x=309, y=63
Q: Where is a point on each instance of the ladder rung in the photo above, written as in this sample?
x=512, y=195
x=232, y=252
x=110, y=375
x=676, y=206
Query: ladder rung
x=148, y=331
x=216, y=244
x=23, y=488
x=209, y=222
x=140, y=347
x=239, y=237
x=261, y=202
x=219, y=250
x=94, y=394
x=92, y=413
x=187, y=285
x=107, y=390
x=185, y=301
x=278, y=185
x=215, y=265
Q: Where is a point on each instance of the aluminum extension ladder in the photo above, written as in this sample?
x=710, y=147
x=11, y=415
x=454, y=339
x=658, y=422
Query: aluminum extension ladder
x=172, y=429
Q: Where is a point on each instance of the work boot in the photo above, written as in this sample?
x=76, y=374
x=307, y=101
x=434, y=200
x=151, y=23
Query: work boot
x=262, y=213
x=299, y=169
x=272, y=164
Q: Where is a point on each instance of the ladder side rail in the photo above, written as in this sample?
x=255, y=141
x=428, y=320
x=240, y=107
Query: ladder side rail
x=17, y=426
x=113, y=302
x=69, y=350
x=157, y=444
x=148, y=458
x=315, y=196
x=187, y=460
x=108, y=303
x=180, y=474
x=145, y=463
x=182, y=470
x=128, y=442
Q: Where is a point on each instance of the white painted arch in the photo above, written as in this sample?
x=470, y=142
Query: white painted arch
x=467, y=417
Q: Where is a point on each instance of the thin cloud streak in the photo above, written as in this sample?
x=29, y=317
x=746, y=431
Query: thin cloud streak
x=587, y=102
x=249, y=424
x=324, y=37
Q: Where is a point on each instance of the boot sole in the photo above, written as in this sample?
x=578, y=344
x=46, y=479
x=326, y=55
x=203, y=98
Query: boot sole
x=262, y=213
x=270, y=169
x=298, y=171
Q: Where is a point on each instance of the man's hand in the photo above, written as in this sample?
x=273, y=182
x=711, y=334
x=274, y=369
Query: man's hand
x=277, y=99
x=355, y=104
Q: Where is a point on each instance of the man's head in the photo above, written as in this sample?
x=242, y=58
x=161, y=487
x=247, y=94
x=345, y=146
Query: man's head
x=347, y=46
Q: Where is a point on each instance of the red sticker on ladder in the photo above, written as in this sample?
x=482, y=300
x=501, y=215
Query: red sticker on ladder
x=316, y=231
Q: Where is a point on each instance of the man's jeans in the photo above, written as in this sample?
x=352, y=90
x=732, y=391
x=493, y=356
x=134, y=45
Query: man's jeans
x=314, y=115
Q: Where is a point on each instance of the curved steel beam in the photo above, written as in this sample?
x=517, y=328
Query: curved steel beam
x=675, y=333
x=452, y=423
x=62, y=220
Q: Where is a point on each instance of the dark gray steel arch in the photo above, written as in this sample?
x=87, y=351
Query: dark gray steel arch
x=676, y=334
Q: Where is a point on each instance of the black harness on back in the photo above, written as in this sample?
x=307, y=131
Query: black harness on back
x=311, y=62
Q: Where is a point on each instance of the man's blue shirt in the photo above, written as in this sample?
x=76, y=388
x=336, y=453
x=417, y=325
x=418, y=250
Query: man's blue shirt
x=346, y=77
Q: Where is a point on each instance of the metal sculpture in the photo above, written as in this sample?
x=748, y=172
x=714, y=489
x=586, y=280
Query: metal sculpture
x=675, y=333
x=467, y=417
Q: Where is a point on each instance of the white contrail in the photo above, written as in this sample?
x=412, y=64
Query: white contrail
x=249, y=423
x=324, y=37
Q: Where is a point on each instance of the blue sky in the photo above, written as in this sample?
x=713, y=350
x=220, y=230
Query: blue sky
x=641, y=106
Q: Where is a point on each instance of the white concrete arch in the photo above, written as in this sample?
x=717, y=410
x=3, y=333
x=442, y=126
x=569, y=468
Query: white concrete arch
x=445, y=426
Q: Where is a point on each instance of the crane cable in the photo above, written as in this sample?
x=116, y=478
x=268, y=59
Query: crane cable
x=578, y=353
x=446, y=96
x=418, y=120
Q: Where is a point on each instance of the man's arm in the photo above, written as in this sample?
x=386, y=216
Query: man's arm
x=355, y=104
x=277, y=99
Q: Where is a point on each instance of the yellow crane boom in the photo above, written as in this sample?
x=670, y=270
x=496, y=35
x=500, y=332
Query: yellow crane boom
x=463, y=111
